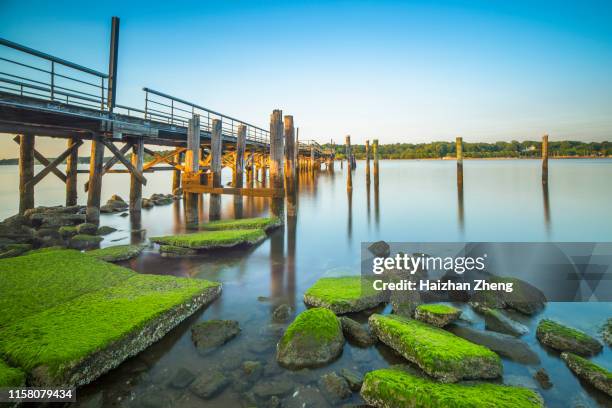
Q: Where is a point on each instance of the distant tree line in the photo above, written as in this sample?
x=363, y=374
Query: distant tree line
x=513, y=149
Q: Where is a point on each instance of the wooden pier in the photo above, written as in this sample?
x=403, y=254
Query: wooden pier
x=78, y=103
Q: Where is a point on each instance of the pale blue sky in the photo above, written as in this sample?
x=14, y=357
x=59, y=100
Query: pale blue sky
x=397, y=71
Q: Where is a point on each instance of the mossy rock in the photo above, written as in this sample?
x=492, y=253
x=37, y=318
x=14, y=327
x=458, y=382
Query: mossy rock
x=170, y=251
x=496, y=320
x=68, y=231
x=391, y=388
x=436, y=314
x=12, y=250
x=87, y=228
x=564, y=338
x=105, y=230
x=344, y=294
x=592, y=373
x=10, y=376
x=524, y=298
x=313, y=339
x=245, y=223
x=84, y=241
x=606, y=332
x=116, y=253
x=213, y=239
x=439, y=353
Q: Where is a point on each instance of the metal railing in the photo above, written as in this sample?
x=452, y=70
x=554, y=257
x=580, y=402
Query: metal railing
x=308, y=144
x=28, y=72
x=162, y=107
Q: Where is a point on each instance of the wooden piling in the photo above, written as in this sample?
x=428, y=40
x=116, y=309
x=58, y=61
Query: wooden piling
x=71, y=173
x=312, y=160
x=176, y=175
x=237, y=177
x=26, y=172
x=192, y=167
x=96, y=162
x=459, y=154
x=349, y=177
x=545, y=159
x=289, y=131
x=276, y=159
x=135, y=184
x=216, y=150
x=367, y=158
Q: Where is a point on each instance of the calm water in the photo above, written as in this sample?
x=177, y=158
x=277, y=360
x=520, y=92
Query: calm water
x=417, y=201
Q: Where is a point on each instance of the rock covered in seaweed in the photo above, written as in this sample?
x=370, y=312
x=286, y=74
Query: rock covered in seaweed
x=594, y=374
x=563, y=338
x=212, y=239
x=84, y=241
x=437, y=352
x=313, y=339
x=436, y=314
x=344, y=294
x=390, y=388
x=607, y=332
x=116, y=253
x=266, y=224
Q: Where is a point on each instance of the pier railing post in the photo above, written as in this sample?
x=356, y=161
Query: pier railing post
x=349, y=177
x=289, y=155
x=459, y=154
x=545, y=159
x=239, y=163
x=26, y=172
x=71, y=173
x=276, y=158
x=135, y=184
x=367, y=158
x=96, y=161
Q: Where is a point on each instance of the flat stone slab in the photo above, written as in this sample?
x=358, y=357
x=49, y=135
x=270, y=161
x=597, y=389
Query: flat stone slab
x=564, y=338
x=358, y=334
x=592, y=373
x=344, y=294
x=116, y=253
x=436, y=314
x=213, y=239
x=437, y=352
x=266, y=224
x=211, y=334
x=313, y=339
x=72, y=318
x=397, y=388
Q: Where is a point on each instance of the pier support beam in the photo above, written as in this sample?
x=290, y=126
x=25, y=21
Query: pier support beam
x=459, y=149
x=216, y=150
x=367, y=158
x=545, y=159
x=176, y=174
x=192, y=167
x=239, y=162
x=276, y=159
x=26, y=172
x=94, y=191
x=289, y=155
x=349, y=177
x=71, y=172
x=135, y=184
x=375, y=157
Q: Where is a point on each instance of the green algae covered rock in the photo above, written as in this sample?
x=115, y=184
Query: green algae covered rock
x=313, y=339
x=116, y=253
x=12, y=250
x=87, y=228
x=105, y=230
x=563, y=338
x=607, y=332
x=170, y=251
x=594, y=374
x=245, y=223
x=437, y=315
x=344, y=294
x=496, y=320
x=84, y=241
x=10, y=376
x=213, y=239
x=67, y=231
x=437, y=352
x=390, y=388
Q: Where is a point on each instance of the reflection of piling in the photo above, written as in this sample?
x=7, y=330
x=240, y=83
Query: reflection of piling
x=135, y=184
x=545, y=159
x=349, y=194
x=460, y=210
x=26, y=172
x=291, y=245
x=95, y=180
x=72, y=162
x=376, y=202
x=349, y=177
x=276, y=159
x=367, y=158
x=375, y=156
x=459, y=149
x=546, y=206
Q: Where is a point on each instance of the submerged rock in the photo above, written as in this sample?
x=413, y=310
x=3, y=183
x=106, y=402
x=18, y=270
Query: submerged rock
x=105, y=230
x=563, y=338
x=87, y=228
x=208, y=384
x=436, y=314
x=146, y=203
x=282, y=313
x=524, y=297
x=305, y=396
x=503, y=344
x=380, y=249
x=313, y=339
x=396, y=388
x=353, y=378
x=496, y=320
x=334, y=387
x=439, y=353
x=84, y=241
x=344, y=294
x=275, y=387
x=210, y=334
x=592, y=373
x=356, y=333
x=541, y=376
x=182, y=378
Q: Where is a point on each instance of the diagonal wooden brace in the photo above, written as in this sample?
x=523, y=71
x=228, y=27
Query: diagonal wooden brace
x=53, y=165
x=111, y=162
x=158, y=158
x=43, y=160
x=124, y=161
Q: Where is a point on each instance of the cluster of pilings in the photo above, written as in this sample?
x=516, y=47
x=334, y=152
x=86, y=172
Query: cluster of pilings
x=351, y=162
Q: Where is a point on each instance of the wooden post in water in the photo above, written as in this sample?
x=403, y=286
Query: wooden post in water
x=176, y=176
x=459, y=154
x=289, y=155
x=216, y=150
x=313, y=163
x=239, y=163
x=367, y=158
x=192, y=167
x=276, y=159
x=545, y=159
x=96, y=161
x=26, y=172
x=349, y=177
x=135, y=184
x=72, y=162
